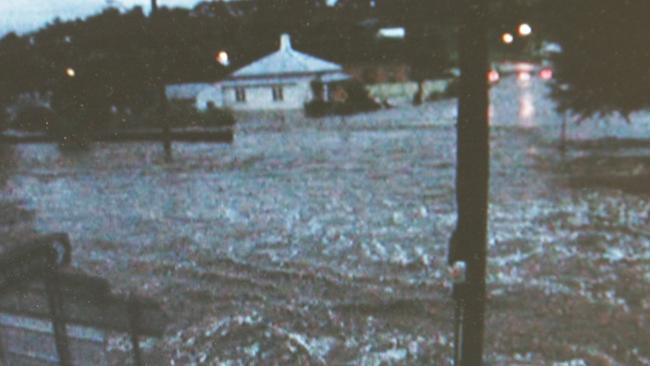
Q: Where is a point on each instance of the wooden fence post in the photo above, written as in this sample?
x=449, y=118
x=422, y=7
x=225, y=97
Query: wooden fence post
x=55, y=303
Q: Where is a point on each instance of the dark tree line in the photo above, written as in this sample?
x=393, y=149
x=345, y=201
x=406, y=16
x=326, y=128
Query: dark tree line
x=110, y=60
x=604, y=66
x=118, y=58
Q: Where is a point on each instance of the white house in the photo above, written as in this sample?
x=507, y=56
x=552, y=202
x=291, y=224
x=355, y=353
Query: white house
x=279, y=81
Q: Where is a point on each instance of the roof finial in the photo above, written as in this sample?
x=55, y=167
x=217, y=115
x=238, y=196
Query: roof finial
x=285, y=42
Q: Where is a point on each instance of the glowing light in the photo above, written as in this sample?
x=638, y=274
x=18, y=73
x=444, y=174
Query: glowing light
x=546, y=74
x=222, y=58
x=507, y=38
x=524, y=67
x=523, y=76
x=493, y=76
x=70, y=72
x=525, y=29
x=397, y=33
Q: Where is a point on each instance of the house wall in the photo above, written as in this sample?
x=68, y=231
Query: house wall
x=209, y=95
x=261, y=97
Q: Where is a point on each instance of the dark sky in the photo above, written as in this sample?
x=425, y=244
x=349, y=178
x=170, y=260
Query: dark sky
x=27, y=15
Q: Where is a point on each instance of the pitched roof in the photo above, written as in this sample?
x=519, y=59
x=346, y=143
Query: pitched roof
x=286, y=60
x=270, y=80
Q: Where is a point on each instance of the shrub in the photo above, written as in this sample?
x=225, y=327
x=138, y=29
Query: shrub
x=215, y=117
x=318, y=108
x=357, y=100
x=453, y=87
x=34, y=118
x=72, y=128
x=186, y=115
x=450, y=91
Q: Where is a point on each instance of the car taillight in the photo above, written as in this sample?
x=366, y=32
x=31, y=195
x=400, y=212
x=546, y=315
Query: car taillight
x=546, y=74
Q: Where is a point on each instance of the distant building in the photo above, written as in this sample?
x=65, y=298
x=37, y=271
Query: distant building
x=187, y=92
x=391, y=32
x=285, y=79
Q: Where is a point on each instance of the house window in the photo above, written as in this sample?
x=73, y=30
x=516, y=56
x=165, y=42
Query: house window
x=278, y=94
x=240, y=95
x=318, y=90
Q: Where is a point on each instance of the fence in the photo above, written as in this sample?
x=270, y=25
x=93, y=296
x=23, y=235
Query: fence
x=52, y=316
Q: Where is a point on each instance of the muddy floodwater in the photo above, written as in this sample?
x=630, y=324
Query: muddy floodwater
x=323, y=241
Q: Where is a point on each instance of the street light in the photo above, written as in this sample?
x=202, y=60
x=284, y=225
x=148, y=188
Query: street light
x=493, y=76
x=525, y=29
x=70, y=72
x=507, y=38
x=222, y=58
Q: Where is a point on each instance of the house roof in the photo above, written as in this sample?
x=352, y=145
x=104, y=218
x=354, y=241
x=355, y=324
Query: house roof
x=329, y=77
x=285, y=61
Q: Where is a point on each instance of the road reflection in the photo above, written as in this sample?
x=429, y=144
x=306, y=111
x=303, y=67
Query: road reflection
x=526, y=109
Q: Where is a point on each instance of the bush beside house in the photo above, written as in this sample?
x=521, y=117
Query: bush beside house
x=184, y=115
x=348, y=97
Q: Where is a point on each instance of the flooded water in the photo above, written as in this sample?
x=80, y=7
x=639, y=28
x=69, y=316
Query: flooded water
x=324, y=241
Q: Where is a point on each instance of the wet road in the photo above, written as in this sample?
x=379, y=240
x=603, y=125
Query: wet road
x=324, y=241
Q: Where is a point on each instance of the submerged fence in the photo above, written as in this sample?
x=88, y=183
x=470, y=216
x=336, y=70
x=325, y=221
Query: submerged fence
x=50, y=315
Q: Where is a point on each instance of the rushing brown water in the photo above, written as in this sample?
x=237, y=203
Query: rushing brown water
x=324, y=241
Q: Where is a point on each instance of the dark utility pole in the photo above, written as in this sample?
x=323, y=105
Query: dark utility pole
x=469, y=242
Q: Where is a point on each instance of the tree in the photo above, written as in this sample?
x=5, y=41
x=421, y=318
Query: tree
x=109, y=59
x=426, y=23
x=427, y=56
x=20, y=67
x=603, y=67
